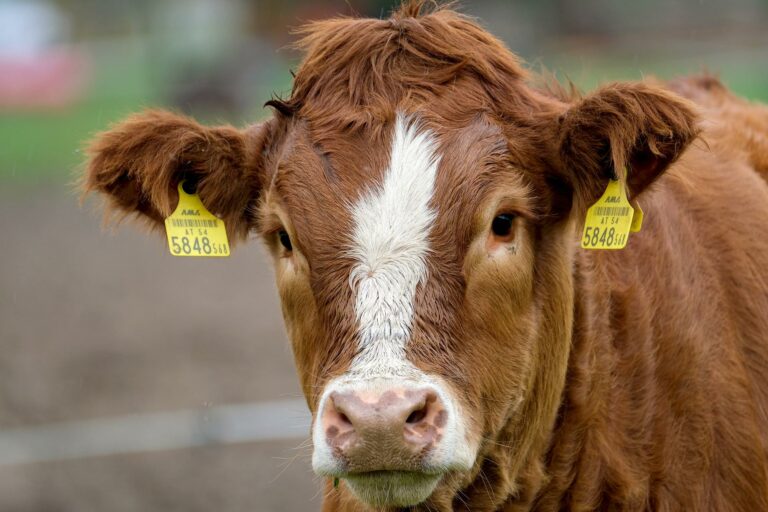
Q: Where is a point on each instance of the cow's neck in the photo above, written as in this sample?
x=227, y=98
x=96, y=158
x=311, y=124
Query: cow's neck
x=570, y=394
x=602, y=297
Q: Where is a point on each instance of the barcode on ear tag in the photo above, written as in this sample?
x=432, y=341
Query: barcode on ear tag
x=609, y=220
x=194, y=231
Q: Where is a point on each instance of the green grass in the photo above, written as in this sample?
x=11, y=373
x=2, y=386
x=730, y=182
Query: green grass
x=44, y=146
x=41, y=145
x=48, y=144
x=740, y=75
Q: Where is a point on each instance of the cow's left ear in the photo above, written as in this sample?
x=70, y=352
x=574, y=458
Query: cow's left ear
x=634, y=126
x=138, y=164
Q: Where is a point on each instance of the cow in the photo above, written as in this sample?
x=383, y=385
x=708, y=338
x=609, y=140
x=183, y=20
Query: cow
x=423, y=196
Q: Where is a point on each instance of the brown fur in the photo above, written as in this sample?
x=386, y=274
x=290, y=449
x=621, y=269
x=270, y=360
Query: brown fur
x=616, y=380
x=738, y=126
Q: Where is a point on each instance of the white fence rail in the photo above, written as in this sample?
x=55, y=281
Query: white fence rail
x=260, y=421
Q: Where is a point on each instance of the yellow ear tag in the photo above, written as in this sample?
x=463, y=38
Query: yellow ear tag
x=194, y=231
x=637, y=220
x=608, y=220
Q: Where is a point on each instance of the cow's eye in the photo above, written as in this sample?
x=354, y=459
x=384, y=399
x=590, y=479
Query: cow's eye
x=502, y=225
x=285, y=240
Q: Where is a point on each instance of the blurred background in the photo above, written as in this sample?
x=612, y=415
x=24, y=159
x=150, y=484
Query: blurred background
x=134, y=381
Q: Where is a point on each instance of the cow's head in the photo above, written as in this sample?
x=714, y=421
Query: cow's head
x=421, y=203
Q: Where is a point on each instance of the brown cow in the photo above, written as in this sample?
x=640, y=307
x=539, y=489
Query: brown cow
x=459, y=351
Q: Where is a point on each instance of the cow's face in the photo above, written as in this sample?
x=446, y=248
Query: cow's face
x=405, y=264
x=422, y=220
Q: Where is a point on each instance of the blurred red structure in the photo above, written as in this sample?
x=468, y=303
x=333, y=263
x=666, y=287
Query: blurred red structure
x=38, y=67
x=55, y=78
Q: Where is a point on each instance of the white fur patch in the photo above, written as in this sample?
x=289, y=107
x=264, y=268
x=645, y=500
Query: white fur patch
x=390, y=244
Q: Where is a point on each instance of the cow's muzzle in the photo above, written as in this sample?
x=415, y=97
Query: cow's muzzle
x=389, y=431
x=391, y=442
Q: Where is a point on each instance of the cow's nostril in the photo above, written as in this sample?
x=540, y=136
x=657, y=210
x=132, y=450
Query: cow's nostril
x=343, y=418
x=417, y=415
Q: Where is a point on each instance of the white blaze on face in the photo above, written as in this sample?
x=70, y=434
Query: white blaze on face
x=390, y=243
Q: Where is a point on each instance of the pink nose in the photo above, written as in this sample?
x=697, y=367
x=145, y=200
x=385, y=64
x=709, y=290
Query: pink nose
x=387, y=431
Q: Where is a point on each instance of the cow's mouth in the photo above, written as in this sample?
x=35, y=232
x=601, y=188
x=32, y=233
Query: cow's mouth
x=392, y=488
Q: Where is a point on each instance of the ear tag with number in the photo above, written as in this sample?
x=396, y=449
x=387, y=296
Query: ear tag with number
x=194, y=231
x=609, y=220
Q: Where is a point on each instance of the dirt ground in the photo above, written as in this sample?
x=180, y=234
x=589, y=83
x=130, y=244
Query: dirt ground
x=96, y=324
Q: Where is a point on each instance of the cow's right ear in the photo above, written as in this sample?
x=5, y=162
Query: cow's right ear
x=139, y=163
x=635, y=128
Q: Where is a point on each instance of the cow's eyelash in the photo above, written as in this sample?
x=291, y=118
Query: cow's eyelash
x=270, y=225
